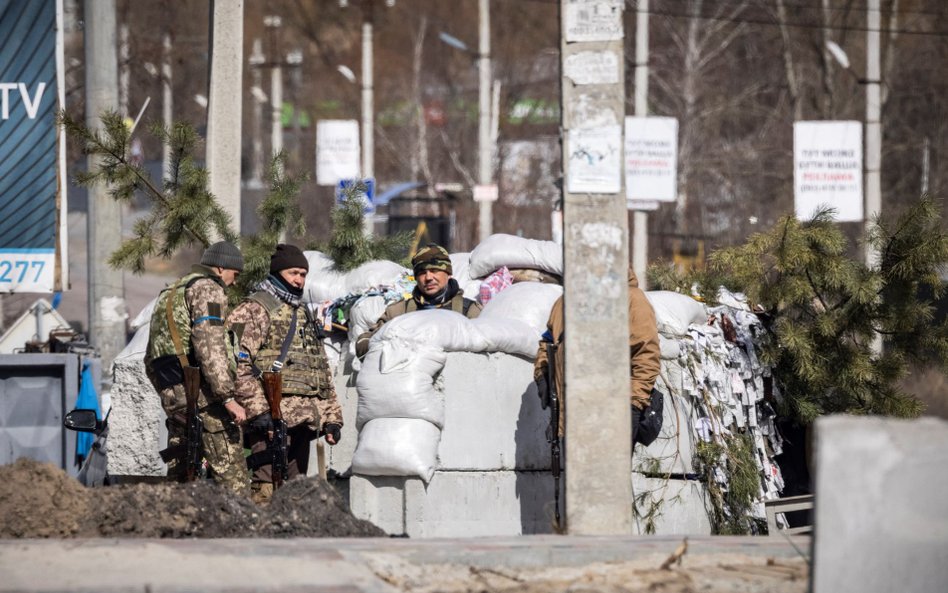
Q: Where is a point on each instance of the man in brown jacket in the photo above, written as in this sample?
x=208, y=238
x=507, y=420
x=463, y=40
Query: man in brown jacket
x=644, y=354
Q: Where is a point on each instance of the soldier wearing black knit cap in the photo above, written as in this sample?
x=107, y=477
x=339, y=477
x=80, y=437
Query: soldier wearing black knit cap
x=262, y=322
x=434, y=289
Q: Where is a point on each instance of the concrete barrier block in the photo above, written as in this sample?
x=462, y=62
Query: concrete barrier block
x=493, y=419
x=881, y=512
x=673, y=450
x=339, y=457
x=136, y=423
x=474, y=504
x=669, y=507
x=379, y=500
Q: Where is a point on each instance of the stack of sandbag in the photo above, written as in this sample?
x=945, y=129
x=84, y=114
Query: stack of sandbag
x=717, y=387
x=401, y=405
x=526, y=259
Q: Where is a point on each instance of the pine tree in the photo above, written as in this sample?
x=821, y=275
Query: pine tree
x=822, y=310
x=183, y=211
x=349, y=246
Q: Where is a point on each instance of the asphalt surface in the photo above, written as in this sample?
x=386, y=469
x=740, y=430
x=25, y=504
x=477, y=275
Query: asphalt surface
x=529, y=563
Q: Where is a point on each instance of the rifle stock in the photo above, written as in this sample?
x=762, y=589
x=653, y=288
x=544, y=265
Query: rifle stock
x=195, y=428
x=554, y=432
x=273, y=389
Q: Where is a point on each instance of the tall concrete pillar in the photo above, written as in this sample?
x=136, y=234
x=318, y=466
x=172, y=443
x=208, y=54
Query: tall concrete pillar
x=107, y=308
x=224, y=105
x=596, y=255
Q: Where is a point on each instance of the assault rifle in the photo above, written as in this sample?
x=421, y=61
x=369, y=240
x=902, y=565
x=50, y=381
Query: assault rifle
x=553, y=433
x=195, y=428
x=273, y=389
x=192, y=451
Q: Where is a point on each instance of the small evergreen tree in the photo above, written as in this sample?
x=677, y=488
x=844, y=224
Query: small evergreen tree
x=822, y=310
x=183, y=212
x=349, y=246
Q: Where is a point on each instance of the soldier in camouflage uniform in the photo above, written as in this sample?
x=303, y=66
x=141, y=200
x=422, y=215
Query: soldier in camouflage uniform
x=435, y=289
x=309, y=406
x=197, y=309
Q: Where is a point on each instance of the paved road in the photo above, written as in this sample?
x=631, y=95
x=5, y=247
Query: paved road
x=525, y=564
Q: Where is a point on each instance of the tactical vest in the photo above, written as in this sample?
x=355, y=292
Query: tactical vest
x=458, y=305
x=160, y=342
x=305, y=370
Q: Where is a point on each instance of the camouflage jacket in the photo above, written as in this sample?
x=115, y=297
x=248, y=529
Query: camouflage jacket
x=206, y=307
x=251, y=322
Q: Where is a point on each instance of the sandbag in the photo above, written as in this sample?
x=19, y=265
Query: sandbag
x=322, y=282
x=674, y=311
x=528, y=302
x=372, y=274
x=363, y=314
x=461, y=271
x=515, y=252
x=440, y=328
x=397, y=447
x=401, y=391
x=508, y=335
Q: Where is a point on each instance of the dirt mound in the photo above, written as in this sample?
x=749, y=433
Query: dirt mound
x=40, y=500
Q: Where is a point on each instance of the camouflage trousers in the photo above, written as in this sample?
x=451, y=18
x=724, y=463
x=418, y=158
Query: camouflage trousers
x=223, y=450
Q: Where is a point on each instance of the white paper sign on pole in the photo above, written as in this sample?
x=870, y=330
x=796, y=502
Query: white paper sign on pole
x=651, y=161
x=594, y=164
x=827, y=168
x=592, y=67
x=593, y=20
x=337, y=151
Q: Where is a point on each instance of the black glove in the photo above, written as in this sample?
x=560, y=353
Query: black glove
x=636, y=422
x=261, y=423
x=543, y=390
x=333, y=430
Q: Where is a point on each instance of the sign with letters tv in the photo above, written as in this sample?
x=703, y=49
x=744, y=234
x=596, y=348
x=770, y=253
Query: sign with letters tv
x=32, y=169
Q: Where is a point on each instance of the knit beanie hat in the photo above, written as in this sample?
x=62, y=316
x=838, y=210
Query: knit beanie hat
x=287, y=256
x=223, y=254
x=432, y=257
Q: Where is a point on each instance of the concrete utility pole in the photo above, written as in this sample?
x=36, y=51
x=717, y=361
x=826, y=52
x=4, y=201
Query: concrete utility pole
x=596, y=255
x=368, y=103
x=873, y=125
x=640, y=217
x=107, y=309
x=485, y=156
x=224, y=104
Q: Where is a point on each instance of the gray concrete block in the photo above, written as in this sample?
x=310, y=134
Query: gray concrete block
x=379, y=500
x=475, y=504
x=673, y=450
x=339, y=457
x=669, y=507
x=136, y=423
x=493, y=419
x=881, y=512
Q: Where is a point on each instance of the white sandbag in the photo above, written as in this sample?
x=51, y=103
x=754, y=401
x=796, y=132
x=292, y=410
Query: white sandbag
x=397, y=447
x=144, y=316
x=461, y=271
x=508, y=335
x=436, y=328
x=670, y=348
x=363, y=314
x=515, y=252
x=403, y=391
x=322, y=282
x=372, y=274
x=674, y=311
x=529, y=302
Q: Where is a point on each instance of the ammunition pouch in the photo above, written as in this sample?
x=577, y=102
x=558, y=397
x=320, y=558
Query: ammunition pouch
x=167, y=371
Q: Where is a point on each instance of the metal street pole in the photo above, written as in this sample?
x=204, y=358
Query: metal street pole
x=107, y=308
x=167, y=100
x=873, y=125
x=484, y=144
x=273, y=24
x=257, y=60
x=368, y=106
x=640, y=217
x=595, y=261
